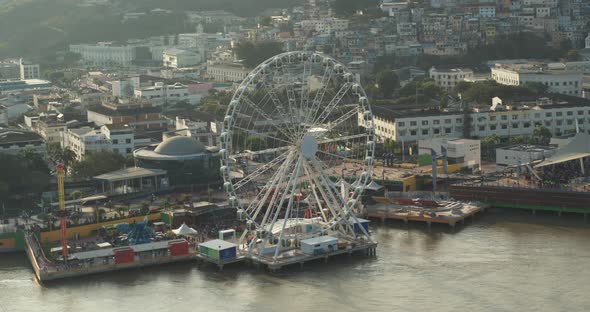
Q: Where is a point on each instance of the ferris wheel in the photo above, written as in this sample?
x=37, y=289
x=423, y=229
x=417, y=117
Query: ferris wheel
x=297, y=149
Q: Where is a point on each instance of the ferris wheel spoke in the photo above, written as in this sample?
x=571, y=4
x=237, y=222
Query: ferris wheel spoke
x=342, y=138
x=319, y=97
x=261, y=152
x=263, y=135
x=336, y=155
x=260, y=171
x=261, y=201
x=332, y=104
x=332, y=125
x=325, y=188
x=278, y=209
x=270, y=187
x=264, y=115
x=290, y=203
x=279, y=106
x=311, y=178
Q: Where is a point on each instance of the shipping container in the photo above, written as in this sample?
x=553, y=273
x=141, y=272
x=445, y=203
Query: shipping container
x=124, y=255
x=218, y=249
x=319, y=245
x=179, y=248
x=361, y=222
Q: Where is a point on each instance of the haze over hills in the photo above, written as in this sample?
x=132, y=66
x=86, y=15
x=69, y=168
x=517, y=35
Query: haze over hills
x=38, y=28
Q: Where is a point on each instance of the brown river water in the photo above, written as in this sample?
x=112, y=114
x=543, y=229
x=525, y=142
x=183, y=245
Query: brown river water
x=503, y=261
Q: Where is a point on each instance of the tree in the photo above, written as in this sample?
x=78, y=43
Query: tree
x=253, y=54
x=387, y=82
x=541, y=135
x=255, y=143
x=77, y=194
x=98, y=163
x=349, y=7
x=24, y=174
x=64, y=156
x=572, y=56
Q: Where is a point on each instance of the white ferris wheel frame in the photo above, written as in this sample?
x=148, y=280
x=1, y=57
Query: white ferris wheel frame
x=301, y=159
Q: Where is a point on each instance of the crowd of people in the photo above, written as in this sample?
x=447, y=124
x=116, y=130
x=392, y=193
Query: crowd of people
x=562, y=175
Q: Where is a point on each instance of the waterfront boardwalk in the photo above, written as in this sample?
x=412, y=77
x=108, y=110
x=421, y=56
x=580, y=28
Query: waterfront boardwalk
x=450, y=213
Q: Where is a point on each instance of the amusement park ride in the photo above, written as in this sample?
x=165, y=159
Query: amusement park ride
x=62, y=211
x=292, y=118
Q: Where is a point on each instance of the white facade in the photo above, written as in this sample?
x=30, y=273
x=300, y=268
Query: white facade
x=204, y=132
x=28, y=70
x=86, y=140
x=105, y=53
x=448, y=78
x=160, y=94
x=124, y=88
x=465, y=152
x=557, y=81
x=177, y=58
x=510, y=155
x=487, y=11
x=559, y=118
x=326, y=25
x=229, y=73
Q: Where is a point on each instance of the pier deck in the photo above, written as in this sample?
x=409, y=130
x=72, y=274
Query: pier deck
x=45, y=270
x=450, y=216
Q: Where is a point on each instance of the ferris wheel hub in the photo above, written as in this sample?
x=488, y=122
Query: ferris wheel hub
x=309, y=146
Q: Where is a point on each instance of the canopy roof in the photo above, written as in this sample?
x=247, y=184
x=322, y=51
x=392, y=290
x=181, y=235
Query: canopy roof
x=184, y=230
x=130, y=174
x=579, y=147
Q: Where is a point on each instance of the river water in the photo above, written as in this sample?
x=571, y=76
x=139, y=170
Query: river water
x=504, y=261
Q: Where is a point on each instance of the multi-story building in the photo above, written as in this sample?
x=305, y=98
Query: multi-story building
x=105, y=53
x=178, y=58
x=160, y=94
x=557, y=81
x=462, y=152
x=135, y=114
x=523, y=154
x=9, y=86
x=28, y=70
x=12, y=141
x=125, y=87
x=85, y=140
x=227, y=72
x=49, y=127
x=203, y=131
x=558, y=116
x=447, y=78
x=9, y=70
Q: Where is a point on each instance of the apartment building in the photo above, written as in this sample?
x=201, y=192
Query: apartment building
x=559, y=116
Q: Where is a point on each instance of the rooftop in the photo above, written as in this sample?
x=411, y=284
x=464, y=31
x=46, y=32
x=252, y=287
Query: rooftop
x=528, y=148
x=130, y=173
x=180, y=145
x=9, y=136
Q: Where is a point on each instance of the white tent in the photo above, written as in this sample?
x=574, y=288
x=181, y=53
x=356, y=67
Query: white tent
x=185, y=230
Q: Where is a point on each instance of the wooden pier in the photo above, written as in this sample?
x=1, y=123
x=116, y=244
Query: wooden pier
x=450, y=215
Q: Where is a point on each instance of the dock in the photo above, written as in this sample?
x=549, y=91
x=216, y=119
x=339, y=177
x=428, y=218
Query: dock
x=449, y=213
x=297, y=257
x=46, y=270
x=291, y=257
